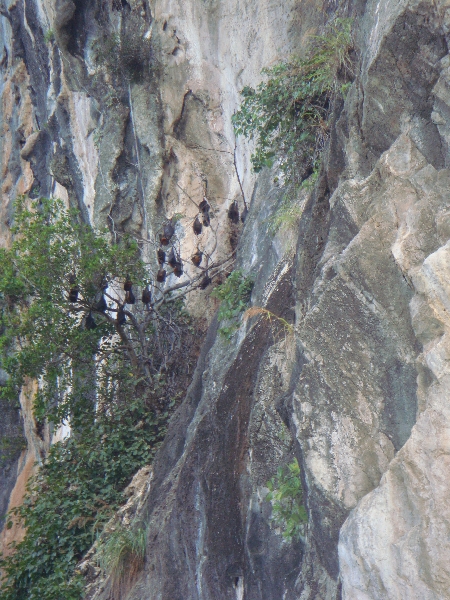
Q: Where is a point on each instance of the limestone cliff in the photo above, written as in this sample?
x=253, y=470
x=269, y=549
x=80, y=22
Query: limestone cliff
x=361, y=383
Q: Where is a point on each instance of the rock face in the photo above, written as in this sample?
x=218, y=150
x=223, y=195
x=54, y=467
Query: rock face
x=358, y=390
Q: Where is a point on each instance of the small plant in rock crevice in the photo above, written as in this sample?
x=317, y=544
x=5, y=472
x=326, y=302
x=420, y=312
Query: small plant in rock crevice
x=271, y=318
x=121, y=553
x=286, y=496
x=49, y=36
x=288, y=113
x=234, y=294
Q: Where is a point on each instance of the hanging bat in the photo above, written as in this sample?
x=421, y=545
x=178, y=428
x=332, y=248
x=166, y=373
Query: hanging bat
x=205, y=208
x=161, y=256
x=89, y=322
x=73, y=294
x=167, y=234
x=233, y=213
x=121, y=318
x=101, y=305
x=172, y=259
x=197, y=258
x=129, y=297
x=197, y=226
x=205, y=282
x=128, y=283
x=146, y=296
x=178, y=269
x=74, y=289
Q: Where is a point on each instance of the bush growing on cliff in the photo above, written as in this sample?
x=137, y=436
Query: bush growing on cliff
x=74, y=493
x=286, y=496
x=99, y=366
x=234, y=295
x=287, y=114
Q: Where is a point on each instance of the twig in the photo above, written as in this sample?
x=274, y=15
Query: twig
x=136, y=145
x=237, y=173
x=184, y=191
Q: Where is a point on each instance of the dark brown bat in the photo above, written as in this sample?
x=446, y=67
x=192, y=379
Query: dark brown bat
x=73, y=294
x=167, y=234
x=233, y=213
x=129, y=297
x=121, y=318
x=146, y=296
x=90, y=323
x=205, y=282
x=197, y=258
x=128, y=283
x=161, y=256
x=197, y=226
x=204, y=206
x=172, y=259
x=161, y=276
x=169, y=229
x=101, y=305
x=178, y=270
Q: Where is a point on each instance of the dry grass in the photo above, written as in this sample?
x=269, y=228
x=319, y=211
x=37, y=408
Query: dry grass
x=273, y=320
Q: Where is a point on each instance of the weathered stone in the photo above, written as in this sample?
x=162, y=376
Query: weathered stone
x=359, y=388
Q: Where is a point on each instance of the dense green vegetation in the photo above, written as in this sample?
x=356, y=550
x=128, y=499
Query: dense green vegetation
x=100, y=367
x=287, y=114
x=286, y=496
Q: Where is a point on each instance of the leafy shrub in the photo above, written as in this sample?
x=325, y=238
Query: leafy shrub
x=49, y=36
x=287, y=113
x=72, y=496
x=234, y=294
x=286, y=496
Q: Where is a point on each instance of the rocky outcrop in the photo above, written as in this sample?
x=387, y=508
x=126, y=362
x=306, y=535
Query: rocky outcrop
x=395, y=542
x=357, y=391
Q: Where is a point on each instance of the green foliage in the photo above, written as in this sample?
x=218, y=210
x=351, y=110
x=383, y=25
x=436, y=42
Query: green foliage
x=72, y=496
x=287, y=113
x=108, y=382
x=234, y=294
x=43, y=335
x=10, y=447
x=122, y=551
x=286, y=496
x=49, y=36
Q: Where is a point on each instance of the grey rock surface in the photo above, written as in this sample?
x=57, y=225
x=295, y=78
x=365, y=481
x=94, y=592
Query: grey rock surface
x=358, y=391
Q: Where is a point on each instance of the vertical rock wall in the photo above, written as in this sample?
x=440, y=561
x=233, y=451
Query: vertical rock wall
x=358, y=392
